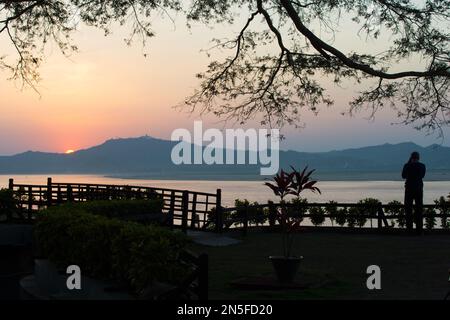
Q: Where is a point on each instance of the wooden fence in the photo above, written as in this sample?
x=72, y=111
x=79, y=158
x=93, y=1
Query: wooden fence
x=201, y=210
x=189, y=209
x=378, y=216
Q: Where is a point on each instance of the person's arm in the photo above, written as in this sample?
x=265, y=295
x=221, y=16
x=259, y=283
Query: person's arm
x=424, y=170
x=404, y=171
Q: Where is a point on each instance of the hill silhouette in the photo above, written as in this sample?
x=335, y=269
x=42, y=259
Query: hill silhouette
x=148, y=157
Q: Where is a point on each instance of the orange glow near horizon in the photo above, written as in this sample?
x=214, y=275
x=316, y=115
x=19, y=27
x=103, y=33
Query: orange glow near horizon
x=70, y=151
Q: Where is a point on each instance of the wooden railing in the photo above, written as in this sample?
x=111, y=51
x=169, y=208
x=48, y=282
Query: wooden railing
x=189, y=209
x=201, y=210
x=379, y=216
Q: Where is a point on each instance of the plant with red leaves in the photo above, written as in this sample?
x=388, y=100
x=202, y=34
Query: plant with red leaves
x=285, y=184
x=301, y=181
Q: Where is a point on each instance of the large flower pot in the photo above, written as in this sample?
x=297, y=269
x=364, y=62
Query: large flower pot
x=47, y=276
x=285, y=267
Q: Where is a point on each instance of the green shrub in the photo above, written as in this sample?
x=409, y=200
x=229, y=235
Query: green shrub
x=120, y=208
x=211, y=223
x=241, y=207
x=369, y=209
x=430, y=221
x=142, y=254
x=341, y=216
x=71, y=236
x=255, y=215
x=352, y=216
x=265, y=213
x=297, y=208
x=393, y=210
x=127, y=252
x=317, y=215
x=8, y=204
x=444, y=210
x=258, y=215
x=332, y=211
x=226, y=219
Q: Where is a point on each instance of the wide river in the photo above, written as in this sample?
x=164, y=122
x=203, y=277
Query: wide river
x=340, y=191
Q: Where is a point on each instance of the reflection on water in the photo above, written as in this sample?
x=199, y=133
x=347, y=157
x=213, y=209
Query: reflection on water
x=341, y=191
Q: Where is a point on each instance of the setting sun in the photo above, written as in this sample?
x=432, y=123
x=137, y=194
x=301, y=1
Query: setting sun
x=70, y=151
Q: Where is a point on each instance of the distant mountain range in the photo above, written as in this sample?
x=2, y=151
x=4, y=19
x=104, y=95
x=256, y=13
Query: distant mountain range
x=147, y=157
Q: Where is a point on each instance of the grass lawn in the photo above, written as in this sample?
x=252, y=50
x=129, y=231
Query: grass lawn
x=411, y=267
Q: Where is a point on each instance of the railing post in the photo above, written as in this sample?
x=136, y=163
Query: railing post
x=383, y=216
x=246, y=220
x=11, y=184
x=49, y=192
x=69, y=193
x=219, y=211
x=172, y=208
x=272, y=214
x=30, y=202
x=380, y=216
x=185, y=211
x=203, y=277
x=194, y=211
x=59, y=197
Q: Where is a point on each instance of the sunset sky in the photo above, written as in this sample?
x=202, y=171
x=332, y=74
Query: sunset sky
x=110, y=90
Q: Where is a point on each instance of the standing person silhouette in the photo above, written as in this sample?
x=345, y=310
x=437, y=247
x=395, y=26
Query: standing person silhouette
x=414, y=172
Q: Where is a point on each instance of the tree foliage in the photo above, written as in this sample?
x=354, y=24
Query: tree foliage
x=279, y=59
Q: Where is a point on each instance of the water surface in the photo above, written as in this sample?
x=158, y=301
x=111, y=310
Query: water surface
x=340, y=191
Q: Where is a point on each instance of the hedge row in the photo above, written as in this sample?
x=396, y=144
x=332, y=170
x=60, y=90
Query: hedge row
x=8, y=205
x=119, y=208
x=351, y=217
x=129, y=253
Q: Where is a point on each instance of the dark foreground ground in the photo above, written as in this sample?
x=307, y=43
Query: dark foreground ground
x=411, y=267
x=334, y=263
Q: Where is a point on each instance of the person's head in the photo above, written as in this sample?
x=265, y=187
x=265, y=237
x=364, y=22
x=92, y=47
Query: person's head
x=415, y=157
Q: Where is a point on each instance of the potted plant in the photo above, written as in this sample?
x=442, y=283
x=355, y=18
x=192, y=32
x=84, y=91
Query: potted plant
x=284, y=184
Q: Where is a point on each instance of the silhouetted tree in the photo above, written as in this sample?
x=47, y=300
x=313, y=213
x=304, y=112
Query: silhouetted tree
x=256, y=78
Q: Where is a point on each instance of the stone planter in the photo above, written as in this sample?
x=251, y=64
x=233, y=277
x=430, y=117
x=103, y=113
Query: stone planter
x=285, y=267
x=47, y=277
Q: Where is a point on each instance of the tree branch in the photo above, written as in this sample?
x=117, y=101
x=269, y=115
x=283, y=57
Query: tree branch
x=322, y=46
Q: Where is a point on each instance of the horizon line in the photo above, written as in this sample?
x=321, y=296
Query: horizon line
x=168, y=140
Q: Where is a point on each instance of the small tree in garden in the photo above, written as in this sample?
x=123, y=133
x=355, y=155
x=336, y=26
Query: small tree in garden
x=352, y=216
x=332, y=211
x=255, y=214
x=396, y=208
x=444, y=208
x=430, y=220
x=317, y=215
x=285, y=184
x=298, y=208
x=369, y=209
x=341, y=216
